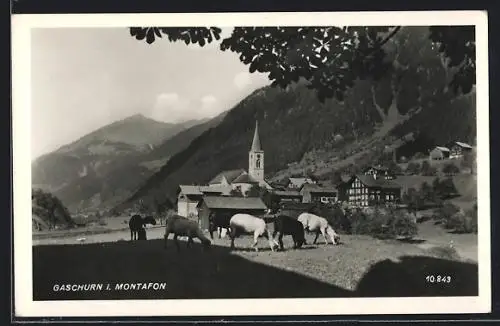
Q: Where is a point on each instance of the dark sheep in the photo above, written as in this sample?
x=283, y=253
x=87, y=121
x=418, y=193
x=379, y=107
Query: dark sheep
x=137, y=222
x=218, y=221
x=286, y=225
x=182, y=226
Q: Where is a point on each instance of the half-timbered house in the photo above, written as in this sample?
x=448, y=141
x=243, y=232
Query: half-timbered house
x=365, y=190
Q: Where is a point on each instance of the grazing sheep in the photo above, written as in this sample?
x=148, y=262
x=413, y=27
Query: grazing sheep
x=136, y=223
x=182, y=226
x=248, y=224
x=286, y=225
x=218, y=221
x=318, y=224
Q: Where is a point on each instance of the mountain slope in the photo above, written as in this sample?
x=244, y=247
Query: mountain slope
x=295, y=128
x=103, y=167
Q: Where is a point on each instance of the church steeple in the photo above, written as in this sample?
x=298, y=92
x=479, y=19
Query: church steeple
x=256, y=157
x=256, y=140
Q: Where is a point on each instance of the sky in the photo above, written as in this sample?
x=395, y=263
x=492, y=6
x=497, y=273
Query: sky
x=85, y=78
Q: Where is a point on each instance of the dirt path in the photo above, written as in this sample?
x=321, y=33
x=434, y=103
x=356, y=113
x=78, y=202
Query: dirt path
x=465, y=244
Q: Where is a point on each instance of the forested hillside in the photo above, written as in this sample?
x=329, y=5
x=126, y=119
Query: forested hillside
x=413, y=96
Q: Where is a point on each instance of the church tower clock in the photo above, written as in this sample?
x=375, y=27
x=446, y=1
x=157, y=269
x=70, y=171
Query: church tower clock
x=256, y=157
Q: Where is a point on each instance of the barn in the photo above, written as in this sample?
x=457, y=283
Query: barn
x=439, y=153
x=458, y=149
x=313, y=193
x=230, y=206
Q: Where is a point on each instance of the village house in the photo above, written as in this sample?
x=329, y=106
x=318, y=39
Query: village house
x=313, y=193
x=379, y=171
x=297, y=183
x=228, y=205
x=439, y=153
x=365, y=190
x=189, y=196
x=458, y=149
x=288, y=195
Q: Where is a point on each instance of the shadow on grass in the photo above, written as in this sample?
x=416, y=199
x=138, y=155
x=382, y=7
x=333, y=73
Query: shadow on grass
x=194, y=273
x=408, y=277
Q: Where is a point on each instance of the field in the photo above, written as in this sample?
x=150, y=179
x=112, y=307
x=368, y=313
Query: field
x=359, y=266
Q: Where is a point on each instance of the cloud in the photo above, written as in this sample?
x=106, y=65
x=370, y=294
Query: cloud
x=242, y=80
x=170, y=107
x=209, y=106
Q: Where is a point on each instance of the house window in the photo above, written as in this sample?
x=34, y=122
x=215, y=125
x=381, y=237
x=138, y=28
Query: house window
x=387, y=197
x=257, y=162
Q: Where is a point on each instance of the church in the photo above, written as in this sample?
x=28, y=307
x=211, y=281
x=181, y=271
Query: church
x=189, y=196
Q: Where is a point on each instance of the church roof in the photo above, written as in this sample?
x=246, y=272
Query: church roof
x=245, y=178
x=234, y=202
x=230, y=175
x=256, y=147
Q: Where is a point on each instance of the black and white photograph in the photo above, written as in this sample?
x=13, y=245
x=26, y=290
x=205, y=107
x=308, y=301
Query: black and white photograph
x=308, y=163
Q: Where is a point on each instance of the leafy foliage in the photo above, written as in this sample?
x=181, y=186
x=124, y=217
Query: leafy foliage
x=190, y=35
x=413, y=168
x=427, y=169
x=445, y=188
x=450, y=169
x=330, y=58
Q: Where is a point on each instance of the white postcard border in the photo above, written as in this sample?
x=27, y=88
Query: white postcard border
x=21, y=84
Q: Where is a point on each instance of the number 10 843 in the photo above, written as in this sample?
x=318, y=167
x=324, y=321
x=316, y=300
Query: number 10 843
x=438, y=279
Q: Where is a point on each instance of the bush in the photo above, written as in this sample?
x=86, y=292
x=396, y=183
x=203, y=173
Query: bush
x=335, y=216
x=450, y=169
x=463, y=222
x=403, y=225
x=384, y=224
x=445, y=213
x=472, y=213
x=103, y=223
x=362, y=223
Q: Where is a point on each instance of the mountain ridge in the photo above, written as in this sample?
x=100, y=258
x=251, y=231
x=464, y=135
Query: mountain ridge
x=89, y=172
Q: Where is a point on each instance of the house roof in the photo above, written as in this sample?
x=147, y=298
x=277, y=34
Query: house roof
x=234, y=202
x=298, y=182
x=314, y=188
x=324, y=190
x=190, y=190
x=371, y=182
x=463, y=144
x=256, y=147
x=443, y=149
x=230, y=175
x=287, y=193
x=245, y=178
x=225, y=190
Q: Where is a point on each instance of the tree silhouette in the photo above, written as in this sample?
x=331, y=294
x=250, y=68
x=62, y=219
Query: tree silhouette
x=49, y=208
x=330, y=59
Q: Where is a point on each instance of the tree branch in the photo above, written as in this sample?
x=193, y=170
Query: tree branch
x=389, y=36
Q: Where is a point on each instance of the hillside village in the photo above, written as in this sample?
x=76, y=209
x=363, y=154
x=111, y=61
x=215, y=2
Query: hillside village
x=237, y=190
